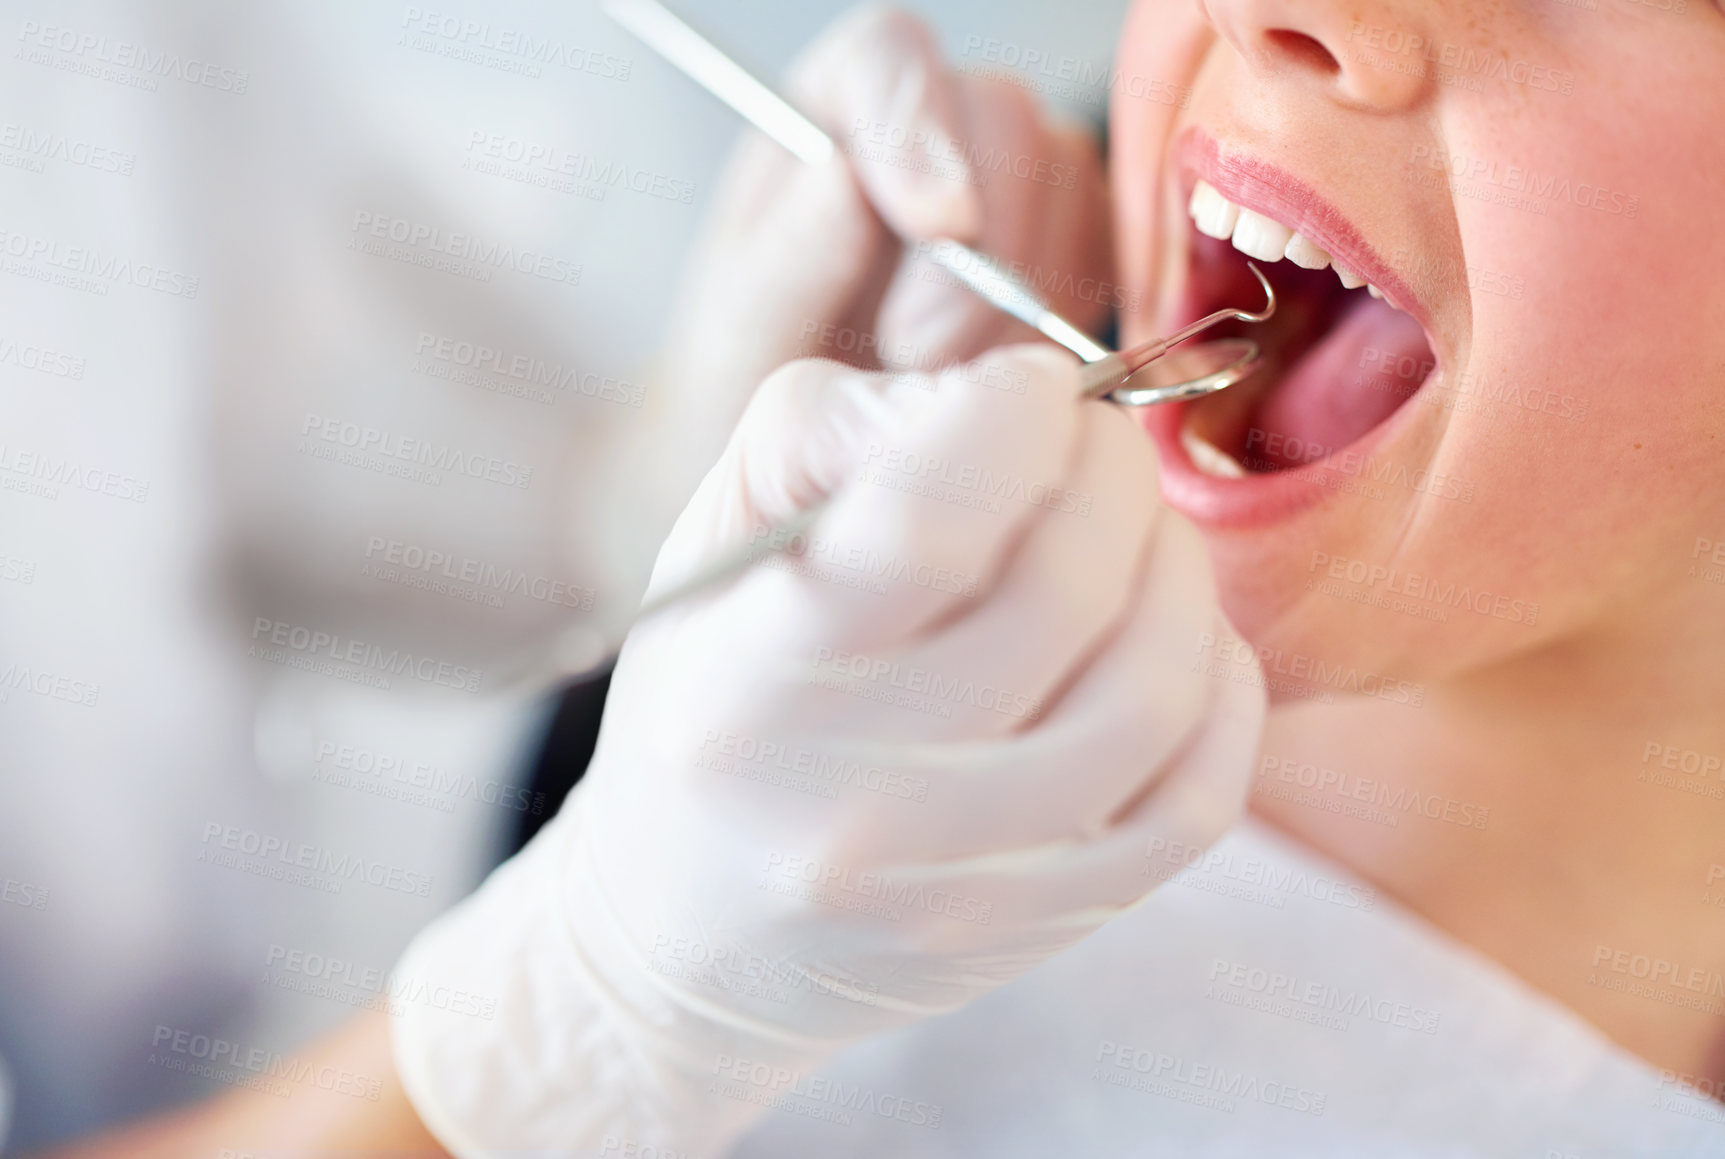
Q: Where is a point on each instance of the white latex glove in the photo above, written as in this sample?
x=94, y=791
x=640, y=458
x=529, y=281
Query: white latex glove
x=974, y=749
x=800, y=262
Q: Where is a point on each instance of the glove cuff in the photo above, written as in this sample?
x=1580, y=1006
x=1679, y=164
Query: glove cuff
x=543, y=1033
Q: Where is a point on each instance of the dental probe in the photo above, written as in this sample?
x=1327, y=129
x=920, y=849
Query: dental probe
x=703, y=62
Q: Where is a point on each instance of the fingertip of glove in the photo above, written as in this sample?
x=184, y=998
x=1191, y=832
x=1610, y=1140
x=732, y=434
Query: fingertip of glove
x=805, y=431
x=1044, y=365
x=877, y=78
x=926, y=206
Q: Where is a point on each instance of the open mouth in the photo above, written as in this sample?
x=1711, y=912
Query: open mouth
x=1340, y=356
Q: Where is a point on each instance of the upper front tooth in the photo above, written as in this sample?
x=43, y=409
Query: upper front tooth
x=1302, y=252
x=1374, y=291
x=1213, y=214
x=1349, y=279
x=1257, y=236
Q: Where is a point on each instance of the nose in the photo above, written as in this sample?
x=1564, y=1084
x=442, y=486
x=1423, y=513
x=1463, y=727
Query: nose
x=1376, y=56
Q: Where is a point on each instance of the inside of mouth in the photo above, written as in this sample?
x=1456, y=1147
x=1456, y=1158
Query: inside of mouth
x=1337, y=362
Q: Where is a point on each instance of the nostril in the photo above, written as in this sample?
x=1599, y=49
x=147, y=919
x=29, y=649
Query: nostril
x=1302, y=49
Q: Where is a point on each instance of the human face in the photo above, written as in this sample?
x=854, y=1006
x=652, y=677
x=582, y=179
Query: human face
x=1529, y=437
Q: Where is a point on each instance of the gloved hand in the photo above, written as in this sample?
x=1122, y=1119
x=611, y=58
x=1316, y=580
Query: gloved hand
x=800, y=262
x=858, y=787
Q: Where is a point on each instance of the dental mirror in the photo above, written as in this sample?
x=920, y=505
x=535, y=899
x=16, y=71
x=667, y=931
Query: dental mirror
x=1189, y=372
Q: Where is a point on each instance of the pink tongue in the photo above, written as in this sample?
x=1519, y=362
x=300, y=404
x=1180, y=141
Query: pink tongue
x=1354, y=379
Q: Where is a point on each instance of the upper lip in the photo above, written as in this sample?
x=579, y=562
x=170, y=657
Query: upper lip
x=1265, y=188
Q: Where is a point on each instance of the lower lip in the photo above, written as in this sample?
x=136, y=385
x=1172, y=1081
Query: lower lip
x=1257, y=501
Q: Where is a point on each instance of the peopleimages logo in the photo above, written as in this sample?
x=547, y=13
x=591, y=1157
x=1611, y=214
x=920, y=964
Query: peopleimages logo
x=751, y=974
x=869, y=891
x=41, y=146
x=24, y=893
x=1652, y=968
x=95, y=270
x=15, y=677
x=1322, y=996
x=529, y=49
x=1446, y=593
x=269, y=1064
x=1205, y=1083
x=967, y=484
x=388, y=446
x=1066, y=77
x=90, y=52
x=323, y=975
x=720, y=748
x=488, y=577
x=1311, y=671
x=583, y=170
x=1395, y=799
x=529, y=370
x=1518, y=179
x=29, y=356
x=434, y=240
x=1192, y=864
x=768, y=543
x=63, y=471
x=314, y=644
x=921, y=682
x=1049, y=283
x=885, y=142
x=416, y=782
x=300, y=862
x=1463, y=60
x=775, y=1086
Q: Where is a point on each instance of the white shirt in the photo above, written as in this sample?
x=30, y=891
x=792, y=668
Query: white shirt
x=1268, y=1005
x=1265, y=1004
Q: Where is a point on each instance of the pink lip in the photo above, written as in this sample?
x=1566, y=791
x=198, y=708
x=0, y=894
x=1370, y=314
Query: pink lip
x=1258, y=501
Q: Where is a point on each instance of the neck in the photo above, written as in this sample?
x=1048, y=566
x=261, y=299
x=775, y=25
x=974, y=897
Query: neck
x=1564, y=813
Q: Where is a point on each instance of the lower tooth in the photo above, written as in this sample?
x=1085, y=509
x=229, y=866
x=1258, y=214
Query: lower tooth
x=1209, y=459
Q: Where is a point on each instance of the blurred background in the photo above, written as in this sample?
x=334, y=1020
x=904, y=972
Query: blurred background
x=326, y=399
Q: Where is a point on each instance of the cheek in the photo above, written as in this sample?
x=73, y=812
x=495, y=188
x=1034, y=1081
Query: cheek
x=1540, y=516
x=1593, y=386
